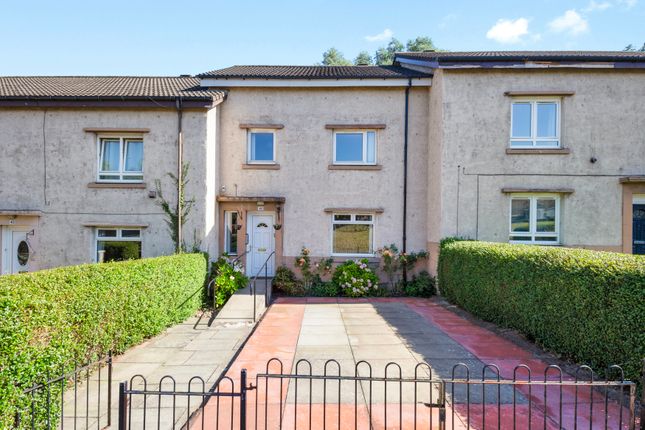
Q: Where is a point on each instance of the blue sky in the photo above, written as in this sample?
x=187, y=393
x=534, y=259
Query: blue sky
x=175, y=37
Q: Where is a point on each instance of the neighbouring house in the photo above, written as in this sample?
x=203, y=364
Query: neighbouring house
x=529, y=147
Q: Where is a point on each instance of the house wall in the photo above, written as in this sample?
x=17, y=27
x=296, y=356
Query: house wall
x=304, y=152
x=48, y=162
x=603, y=119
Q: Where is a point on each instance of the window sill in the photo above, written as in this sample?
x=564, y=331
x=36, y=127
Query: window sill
x=518, y=190
x=543, y=151
x=355, y=167
x=259, y=166
x=125, y=185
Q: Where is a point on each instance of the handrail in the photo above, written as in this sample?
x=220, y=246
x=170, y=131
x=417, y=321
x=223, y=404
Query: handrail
x=266, y=281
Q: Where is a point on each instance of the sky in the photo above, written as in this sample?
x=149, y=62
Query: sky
x=168, y=38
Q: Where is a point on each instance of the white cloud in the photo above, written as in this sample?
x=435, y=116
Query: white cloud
x=384, y=35
x=571, y=22
x=508, y=30
x=447, y=19
x=597, y=6
x=627, y=3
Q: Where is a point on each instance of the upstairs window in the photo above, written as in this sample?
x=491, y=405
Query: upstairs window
x=261, y=147
x=120, y=159
x=353, y=234
x=117, y=244
x=535, y=123
x=355, y=147
x=535, y=219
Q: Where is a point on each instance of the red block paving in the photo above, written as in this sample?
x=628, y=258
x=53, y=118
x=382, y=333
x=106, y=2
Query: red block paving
x=268, y=407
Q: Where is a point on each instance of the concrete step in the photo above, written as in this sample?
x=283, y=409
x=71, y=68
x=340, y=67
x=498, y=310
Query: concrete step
x=240, y=305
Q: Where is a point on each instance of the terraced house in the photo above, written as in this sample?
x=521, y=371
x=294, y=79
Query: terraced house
x=528, y=147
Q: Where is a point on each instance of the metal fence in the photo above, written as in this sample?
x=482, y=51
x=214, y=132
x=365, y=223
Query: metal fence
x=321, y=394
x=341, y=394
x=67, y=400
x=169, y=406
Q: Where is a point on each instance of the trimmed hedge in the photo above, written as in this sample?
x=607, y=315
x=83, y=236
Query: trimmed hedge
x=52, y=318
x=588, y=306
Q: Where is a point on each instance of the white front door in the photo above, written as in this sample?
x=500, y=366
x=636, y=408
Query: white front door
x=16, y=252
x=261, y=245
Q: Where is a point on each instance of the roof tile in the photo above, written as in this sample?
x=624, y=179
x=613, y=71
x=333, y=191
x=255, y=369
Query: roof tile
x=314, y=72
x=105, y=87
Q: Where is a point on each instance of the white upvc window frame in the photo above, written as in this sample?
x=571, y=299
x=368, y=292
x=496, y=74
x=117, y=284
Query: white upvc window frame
x=364, y=161
x=249, y=134
x=531, y=142
x=353, y=220
x=118, y=238
x=121, y=173
x=533, y=236
x=228, y=227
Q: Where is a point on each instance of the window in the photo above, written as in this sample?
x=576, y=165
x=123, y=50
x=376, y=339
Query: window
x=535, y=219
x=117, y=244
x=355, y=147
x=352, y=234
x=535, y=124
x=261, y=146
x=120, y=159
x=230, y=232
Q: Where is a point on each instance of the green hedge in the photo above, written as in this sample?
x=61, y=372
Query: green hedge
x=588, y=306
x=52, y=318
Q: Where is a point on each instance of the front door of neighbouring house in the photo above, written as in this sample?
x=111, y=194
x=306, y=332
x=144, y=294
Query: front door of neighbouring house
x=261, y=244
x=16, y=252
x=638, y=229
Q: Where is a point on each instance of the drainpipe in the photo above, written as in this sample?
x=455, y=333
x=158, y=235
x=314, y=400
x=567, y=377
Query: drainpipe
x=405, y=174
x=180, y=164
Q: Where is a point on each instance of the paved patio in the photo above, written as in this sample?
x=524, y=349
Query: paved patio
x=406, y=331
x=198, y=347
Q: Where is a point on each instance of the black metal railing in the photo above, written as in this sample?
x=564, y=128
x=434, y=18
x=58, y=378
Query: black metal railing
x=167, y=407
x=267, y=285
x=320, y=394
x=79, y=398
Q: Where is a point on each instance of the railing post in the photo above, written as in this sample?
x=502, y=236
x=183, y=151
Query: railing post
x=243, y=400
x=109, y=393
x=123, y=406
x=642, y=397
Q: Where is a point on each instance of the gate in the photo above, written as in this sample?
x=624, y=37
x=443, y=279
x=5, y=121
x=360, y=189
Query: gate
x=321, y=394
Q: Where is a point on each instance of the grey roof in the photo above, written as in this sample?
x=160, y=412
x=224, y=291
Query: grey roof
x=104, y=88
x=488, y=56
x=314, y=72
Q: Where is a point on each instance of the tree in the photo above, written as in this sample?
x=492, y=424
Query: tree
x=333, y=57
x=385, y=55
x=183, y=207
x=630, y=48
x=420, y=44
x=363, y=59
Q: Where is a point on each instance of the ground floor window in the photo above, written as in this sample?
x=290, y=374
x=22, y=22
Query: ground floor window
x=352, y=234
x=535, y=219
x=117, y=244
x=230, y=232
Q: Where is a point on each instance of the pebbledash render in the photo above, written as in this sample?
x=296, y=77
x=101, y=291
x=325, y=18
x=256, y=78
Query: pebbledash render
x=542, y=148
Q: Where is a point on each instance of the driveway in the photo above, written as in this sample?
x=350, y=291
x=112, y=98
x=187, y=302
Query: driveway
x=302, y=334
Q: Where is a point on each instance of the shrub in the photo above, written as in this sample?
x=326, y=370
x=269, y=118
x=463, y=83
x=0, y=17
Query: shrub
x=395, y=262
x=588, y=306
x=229, y=277
x=324, y=289
x=285, y=281
x=421, y=285
x=312, y=277
x=52, y=318
x=355, y=278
